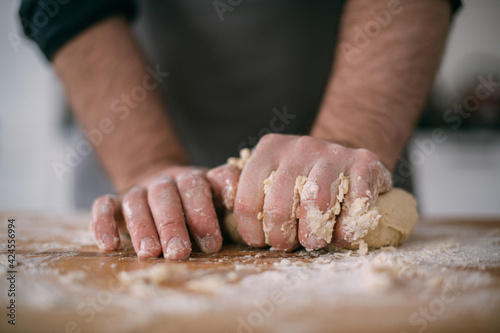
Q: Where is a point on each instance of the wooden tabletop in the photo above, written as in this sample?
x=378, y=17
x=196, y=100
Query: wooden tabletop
x=445, y=278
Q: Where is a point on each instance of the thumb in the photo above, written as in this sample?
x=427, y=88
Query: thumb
x=224, y=182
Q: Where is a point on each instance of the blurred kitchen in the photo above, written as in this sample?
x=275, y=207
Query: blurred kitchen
x=454, y=158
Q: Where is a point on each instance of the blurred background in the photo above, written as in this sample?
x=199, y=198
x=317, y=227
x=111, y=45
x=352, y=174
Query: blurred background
x=457, y=176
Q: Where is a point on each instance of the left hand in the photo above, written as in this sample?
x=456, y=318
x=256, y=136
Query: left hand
x=158, y=212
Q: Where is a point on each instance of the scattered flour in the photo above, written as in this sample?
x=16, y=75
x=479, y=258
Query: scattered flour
x=437, y=258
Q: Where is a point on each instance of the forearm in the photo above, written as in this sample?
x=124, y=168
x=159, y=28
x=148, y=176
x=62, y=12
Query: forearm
x=112, y=92
x=376, y=92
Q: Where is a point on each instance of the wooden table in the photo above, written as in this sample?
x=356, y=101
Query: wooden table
x=445, y=278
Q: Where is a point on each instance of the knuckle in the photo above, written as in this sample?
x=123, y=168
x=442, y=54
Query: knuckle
x=134, y=204
x=134, y=193
x=191, y=179
x=219, y=179
x=305, y=141
x=277, y=212
x=102, y=201
x=218, y=172
x=244, y=207
x=336, y=146
x=307, y=145
x=137, y=226
x=366, y=156
x=99, y=201
x=269, y=137
x=337, y=151
x=103, y=211
x=167, y=223
x=160, y=185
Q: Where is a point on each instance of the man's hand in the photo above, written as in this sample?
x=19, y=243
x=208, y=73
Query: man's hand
x=139, y=150
x=373, y=100
x=281, y=161
x=153, y=213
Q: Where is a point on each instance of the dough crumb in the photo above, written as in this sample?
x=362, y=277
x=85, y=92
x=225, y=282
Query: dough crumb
x=321, y=224
x=309, y=191
x=363, y=248
x=267, y=185
x=242, y=160
x=300, y=181
x=343, y=187
x=360, y=220
x=268, y=181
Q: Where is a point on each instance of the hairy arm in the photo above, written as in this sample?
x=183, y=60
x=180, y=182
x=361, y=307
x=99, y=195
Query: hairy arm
x=116, y=99
x=387, y=56
x=113, y=93
x=379, y=83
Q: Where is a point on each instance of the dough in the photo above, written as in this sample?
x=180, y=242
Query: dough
x=398, y=216
x=231, y=227
x=387, y=223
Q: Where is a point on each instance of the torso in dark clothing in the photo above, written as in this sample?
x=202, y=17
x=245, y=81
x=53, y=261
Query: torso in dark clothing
x=263, y=68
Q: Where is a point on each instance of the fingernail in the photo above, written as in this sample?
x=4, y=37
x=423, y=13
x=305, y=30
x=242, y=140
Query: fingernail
x=208, y=244
x=176, y=249
x=108, y=242
x=148, y=246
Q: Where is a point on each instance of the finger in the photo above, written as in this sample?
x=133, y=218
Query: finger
x=224, y=182
x=196, y=197
x=165, y=205
x=319, y=206
x=249, y=201
x=103, y=222
x=140, y=223
x=281, y=203
x=367, y=179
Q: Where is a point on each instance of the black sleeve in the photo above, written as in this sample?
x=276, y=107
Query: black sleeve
x=52, y=23
x=455, y=5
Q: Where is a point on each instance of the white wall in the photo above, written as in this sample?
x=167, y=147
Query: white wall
x=462, y=177
x=473, y=44
x=30, y=114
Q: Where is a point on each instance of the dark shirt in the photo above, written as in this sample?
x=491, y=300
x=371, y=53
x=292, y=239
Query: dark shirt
x=236, y=72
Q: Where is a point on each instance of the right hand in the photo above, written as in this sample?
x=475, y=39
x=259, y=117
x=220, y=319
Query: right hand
x=290, y=216
x=153, y=214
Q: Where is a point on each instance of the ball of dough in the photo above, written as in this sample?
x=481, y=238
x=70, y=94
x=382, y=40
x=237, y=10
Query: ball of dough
x=398, y=216
x=398, y=210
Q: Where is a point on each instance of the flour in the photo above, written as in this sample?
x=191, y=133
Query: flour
x=459, y=260
x=161, y=274
x=311, y=190
x=267, y=185
x=321, y=224
x=210, y=283
x=359, y=220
